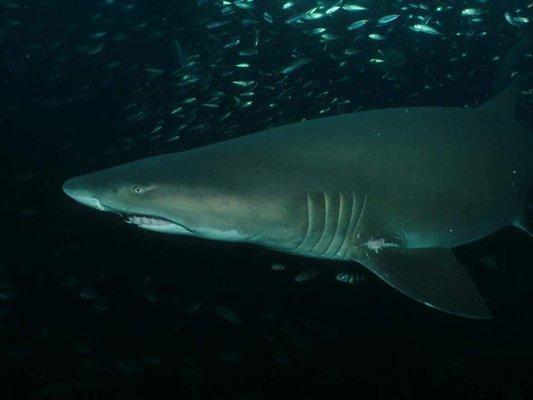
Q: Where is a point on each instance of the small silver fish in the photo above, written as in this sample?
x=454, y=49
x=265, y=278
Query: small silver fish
x=353, y=7
x=471, y=12
x=88, y=293
x=295, y=65
x=350, y=278
x=387, y=19
x=357, y=25
x=307, y=275
x=424, y=29
x=333, y=9
x=287, y=5
x=268, y=18
x=248, y=52
x=376, y=36
x=231, y=44
x=277, y=267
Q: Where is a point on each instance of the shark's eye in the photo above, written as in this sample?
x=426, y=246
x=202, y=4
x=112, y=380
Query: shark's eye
x=138, y=190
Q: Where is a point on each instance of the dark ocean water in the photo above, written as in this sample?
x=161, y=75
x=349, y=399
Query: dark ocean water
x=92, y=308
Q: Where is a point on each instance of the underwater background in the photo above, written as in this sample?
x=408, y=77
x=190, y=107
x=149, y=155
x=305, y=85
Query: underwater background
x=92, y=308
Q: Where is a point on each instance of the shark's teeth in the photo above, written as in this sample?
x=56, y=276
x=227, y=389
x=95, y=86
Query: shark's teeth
x=147, y=221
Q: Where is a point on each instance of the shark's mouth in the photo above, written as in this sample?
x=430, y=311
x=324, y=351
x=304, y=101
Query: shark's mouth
x=147, y=220
x=151, y=222
x=156, y=223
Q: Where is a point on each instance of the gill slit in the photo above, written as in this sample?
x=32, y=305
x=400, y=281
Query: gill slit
x=351, y=231
x=339, y=224
x=309, y=222
x=360, y=216
x=326, y=216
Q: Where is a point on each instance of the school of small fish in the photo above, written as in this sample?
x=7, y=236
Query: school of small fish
x=245, y=65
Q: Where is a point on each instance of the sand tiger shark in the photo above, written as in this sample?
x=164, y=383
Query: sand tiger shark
x=392, y=189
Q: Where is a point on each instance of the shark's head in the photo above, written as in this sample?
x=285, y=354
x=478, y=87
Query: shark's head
x=174, y=194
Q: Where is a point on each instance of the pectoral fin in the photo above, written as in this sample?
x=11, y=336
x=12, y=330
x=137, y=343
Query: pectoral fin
x=431, y=276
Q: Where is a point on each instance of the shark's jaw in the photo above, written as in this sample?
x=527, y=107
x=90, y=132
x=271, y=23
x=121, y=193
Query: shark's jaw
x=157, y=224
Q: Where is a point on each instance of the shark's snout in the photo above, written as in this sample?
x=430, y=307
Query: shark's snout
x=69, y=187
x=75, y=189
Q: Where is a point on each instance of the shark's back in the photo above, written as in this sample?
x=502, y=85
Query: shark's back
x=459, y=173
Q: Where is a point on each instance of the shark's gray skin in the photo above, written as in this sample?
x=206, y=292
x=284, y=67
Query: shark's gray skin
x=393, y=189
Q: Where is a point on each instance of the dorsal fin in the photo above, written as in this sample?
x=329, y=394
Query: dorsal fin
x=505, y=102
